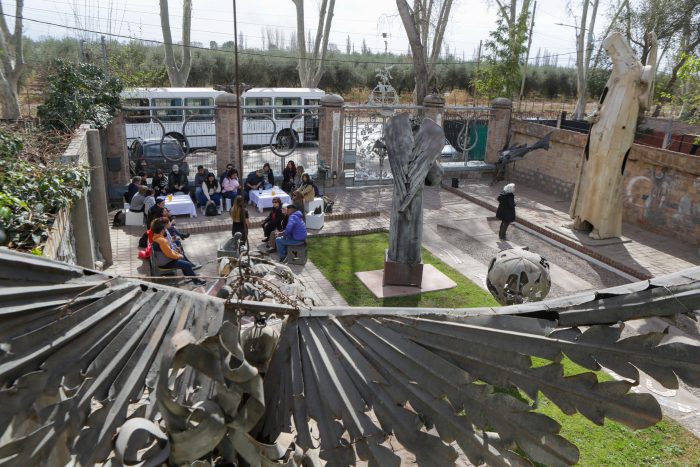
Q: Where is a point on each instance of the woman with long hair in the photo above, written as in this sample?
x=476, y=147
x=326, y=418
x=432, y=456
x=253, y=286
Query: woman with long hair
x=306, y=190
x=297, y=177
x=288, y=174
x=159, y=183
x=274, y=220
x=230, y=185
x=239, y=216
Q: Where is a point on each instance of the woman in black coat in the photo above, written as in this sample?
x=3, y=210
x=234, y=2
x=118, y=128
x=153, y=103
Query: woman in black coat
x=506, y=209
x=274, y=220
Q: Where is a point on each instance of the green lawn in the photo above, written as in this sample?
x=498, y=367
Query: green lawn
x=665, y=444
x=339, y=258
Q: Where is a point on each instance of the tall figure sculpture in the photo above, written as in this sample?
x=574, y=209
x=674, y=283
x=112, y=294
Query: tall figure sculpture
x=597, y=200
x=411, y=158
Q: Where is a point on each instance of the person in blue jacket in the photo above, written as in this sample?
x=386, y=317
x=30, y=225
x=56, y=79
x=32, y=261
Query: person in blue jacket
x=294, y=233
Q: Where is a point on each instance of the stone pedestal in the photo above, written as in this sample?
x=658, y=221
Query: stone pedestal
x=402, y=273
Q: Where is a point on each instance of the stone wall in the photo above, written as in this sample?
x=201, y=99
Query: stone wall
x=662, y=188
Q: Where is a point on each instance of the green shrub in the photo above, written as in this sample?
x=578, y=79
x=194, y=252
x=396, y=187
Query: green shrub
x=79, y=94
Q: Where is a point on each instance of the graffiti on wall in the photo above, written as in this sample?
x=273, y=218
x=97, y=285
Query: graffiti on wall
x=658, y=195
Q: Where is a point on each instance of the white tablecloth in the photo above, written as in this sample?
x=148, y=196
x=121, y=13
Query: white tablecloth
x=181, y=204
x=263, y=199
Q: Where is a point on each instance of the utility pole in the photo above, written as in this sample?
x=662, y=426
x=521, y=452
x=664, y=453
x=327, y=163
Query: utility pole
x=527, y=55
x=104, y=55
x=239, y=156
x=82, y=51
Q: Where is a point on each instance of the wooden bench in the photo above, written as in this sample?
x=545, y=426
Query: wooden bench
x=296, y=254
x=157, y=271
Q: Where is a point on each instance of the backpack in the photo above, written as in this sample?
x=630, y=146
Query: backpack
x=143, y=241
x=211, y=210
x=119, y=219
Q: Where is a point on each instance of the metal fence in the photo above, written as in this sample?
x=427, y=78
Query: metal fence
x=466, y=131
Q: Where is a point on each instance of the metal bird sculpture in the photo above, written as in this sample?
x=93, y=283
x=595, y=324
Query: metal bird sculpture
x=516, y=153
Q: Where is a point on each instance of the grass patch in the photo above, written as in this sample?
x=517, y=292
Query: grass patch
x=665, y=444
x=339, y=258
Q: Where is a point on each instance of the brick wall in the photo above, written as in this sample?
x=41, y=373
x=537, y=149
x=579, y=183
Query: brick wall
x=662, y=188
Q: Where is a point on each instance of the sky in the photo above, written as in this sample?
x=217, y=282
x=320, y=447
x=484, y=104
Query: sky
x=212, y=20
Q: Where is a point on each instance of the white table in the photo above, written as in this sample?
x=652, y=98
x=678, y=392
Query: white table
x=263, y=199
x=181, y=204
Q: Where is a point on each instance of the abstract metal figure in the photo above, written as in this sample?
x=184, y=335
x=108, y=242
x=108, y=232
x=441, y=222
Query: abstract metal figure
x=82, y=353
x=411, y=158
x=597, y=202
x=384, y=93
x=516, y=153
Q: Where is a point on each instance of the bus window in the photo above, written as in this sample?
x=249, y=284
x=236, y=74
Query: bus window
x=168, y=115
x=136, y=116
x=199, y=115
x=263, y=102
x=287, y=113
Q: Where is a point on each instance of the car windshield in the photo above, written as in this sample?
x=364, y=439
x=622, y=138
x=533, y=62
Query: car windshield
x=170, y=148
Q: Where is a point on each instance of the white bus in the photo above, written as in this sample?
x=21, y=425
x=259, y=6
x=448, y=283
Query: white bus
x=270, y=115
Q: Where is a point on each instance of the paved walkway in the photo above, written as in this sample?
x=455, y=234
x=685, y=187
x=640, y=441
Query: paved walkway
x=460, y=229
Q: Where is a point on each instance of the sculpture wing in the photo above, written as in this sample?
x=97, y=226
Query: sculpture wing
x=399, y=143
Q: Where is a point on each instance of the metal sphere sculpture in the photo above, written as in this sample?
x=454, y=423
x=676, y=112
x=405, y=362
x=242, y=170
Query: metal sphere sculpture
x=518, y=276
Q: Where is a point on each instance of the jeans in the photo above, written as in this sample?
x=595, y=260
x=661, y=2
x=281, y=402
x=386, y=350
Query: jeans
x=216, y=197
x=282, y=243
x=502, y=230
x=185, y=266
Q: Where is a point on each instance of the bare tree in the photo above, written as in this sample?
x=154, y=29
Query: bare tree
x=583, y=57
x=425, y=26
x=12, y=63
x=311, y=68
x=177, y=74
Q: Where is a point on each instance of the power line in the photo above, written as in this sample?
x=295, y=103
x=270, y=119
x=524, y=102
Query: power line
x=265, y=55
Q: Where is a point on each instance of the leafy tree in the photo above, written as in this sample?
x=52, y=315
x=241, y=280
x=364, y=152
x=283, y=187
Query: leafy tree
x=504, y=55
x=79, y=94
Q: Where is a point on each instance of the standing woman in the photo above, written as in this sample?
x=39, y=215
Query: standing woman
x=288, y=174
x=506, y=209
x=239, y=216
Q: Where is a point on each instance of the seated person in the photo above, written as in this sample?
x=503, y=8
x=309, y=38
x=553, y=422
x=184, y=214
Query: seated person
x=230, y=185
x=175, y=242
x=269, y=178
x=159, y=210
x=209, y=191
x=288, y=175
x=282, y=225
x=223, y=174
x=137, y=201
x=199, y=178
x=177, y=181
x=149, y=200
x=297, y=177
x=132, y=189
x=253, y=181
x=273, y=220
x=293, y=234
x=306, y=190
x=165, y=257
x=159, y=183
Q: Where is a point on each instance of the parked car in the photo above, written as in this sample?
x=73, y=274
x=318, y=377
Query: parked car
x=147, y=155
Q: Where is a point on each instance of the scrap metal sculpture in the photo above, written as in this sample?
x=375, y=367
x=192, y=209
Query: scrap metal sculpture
x=97, y=368
x=411, y=158
x=597, y=202
x=516, y=153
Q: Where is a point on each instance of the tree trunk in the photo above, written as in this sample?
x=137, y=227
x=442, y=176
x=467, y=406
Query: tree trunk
x=8, y=100
x=420, y=68
x=177, y=74
x=11, y=62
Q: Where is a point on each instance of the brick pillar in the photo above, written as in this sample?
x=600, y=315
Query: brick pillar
x=499, y=127
x=228, y=151
x=434, y=108
x=117, y=152
x=330, y=134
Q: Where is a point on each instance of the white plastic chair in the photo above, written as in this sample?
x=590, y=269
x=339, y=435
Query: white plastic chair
x=133, y=218
x=315, y=221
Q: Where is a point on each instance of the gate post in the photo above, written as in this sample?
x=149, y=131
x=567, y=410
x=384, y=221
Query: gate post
x=499, y=127
x=434, y=108
x=117, y=152
x=228, y=151
x=330, y=135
